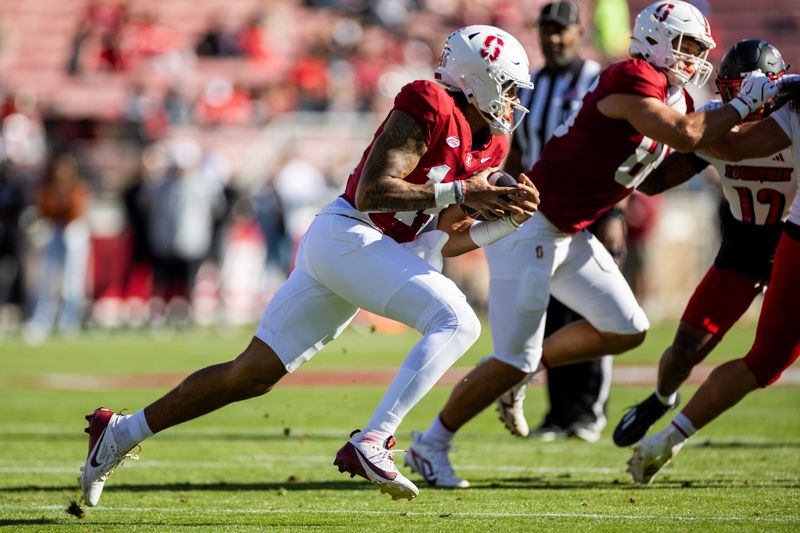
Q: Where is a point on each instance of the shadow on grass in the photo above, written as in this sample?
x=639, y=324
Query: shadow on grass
x=520, y=483
x=289, y=486
x=280, y=436
x=564, y=482
x=28, y=522
x=742, y=445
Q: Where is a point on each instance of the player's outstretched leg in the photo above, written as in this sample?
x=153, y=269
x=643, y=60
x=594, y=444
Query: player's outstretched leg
x=113, y=435
x=370, y=457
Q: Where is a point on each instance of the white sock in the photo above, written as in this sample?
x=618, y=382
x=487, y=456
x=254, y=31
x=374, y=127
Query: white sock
x=130, y=430
x=437, y=435
x=373, y=435
x=667, y=400
x=681, y=428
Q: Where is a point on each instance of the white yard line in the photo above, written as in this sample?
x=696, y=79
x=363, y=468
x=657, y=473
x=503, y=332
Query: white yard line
x=456, y=514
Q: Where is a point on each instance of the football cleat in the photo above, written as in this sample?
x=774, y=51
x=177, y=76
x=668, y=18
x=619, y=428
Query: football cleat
x=433, y=464
x=512, y=414
x=104, y=455
x=548, y=433
x=371, y=458
x=651, y=454
x=639, y=419
x=585, y=431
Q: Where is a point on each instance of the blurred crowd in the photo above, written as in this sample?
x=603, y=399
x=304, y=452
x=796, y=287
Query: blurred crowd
x=175, y=236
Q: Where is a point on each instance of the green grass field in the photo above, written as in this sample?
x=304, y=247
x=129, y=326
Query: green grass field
x=266, y=463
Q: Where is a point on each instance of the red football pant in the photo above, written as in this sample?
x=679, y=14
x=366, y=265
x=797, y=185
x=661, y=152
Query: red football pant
x=720, y=300
x=777, y=343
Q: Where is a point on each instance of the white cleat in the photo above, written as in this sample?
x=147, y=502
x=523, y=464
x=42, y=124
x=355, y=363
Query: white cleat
x=651, y=454
x=510, y=408
x=433, y=464
x=104, y=455
x=548, y=433
x=371, y=458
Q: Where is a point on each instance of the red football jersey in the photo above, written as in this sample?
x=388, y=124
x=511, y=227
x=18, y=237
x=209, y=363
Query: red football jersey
x=450, y=154
x=592, y=161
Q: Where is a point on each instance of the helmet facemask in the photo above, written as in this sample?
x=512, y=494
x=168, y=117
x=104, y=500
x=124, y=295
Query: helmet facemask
x=701, y=67
x=497, y=102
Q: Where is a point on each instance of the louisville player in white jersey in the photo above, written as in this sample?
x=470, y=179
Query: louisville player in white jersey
x=432, y=154
x=634, y=116
x=758, y=192
x=777, y=342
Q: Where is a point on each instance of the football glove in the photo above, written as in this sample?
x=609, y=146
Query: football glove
x=757, y=89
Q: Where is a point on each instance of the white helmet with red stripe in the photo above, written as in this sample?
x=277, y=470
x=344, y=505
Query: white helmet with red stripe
x=487, y=64
x=658, y=33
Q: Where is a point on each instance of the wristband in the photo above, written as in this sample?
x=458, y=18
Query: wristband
x=741, y=107
x=488, y=231
x=461, y=191
x=445, y=194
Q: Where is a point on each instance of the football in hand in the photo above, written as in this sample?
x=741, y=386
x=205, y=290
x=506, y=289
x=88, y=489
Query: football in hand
x=497, y=178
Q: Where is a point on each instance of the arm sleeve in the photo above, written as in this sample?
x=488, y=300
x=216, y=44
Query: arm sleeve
x=697, y=163
x=421, y=101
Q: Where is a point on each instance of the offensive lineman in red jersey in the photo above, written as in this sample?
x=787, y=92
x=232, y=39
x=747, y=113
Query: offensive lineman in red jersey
x=432, y=153
x=626, y=125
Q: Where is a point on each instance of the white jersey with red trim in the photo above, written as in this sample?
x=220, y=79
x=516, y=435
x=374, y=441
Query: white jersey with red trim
x=790, y=122
x=760, y=190
x=594, y=161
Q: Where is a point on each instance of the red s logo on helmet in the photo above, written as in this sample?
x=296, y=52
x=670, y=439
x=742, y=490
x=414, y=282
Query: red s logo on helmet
x=492, y=47
x=663, y=11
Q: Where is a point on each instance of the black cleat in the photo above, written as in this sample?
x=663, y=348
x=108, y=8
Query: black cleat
x=638, y=420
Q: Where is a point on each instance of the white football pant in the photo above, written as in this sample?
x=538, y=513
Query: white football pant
x=344, y=264
x=539, y=260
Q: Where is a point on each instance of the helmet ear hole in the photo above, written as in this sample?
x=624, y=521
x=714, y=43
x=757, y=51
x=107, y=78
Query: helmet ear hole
x=652, y=41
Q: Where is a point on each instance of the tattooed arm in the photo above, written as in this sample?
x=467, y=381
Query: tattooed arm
x=394, y=155
x=396, y=152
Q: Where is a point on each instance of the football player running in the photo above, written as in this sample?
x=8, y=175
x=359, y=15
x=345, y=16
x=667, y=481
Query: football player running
x=432, y=154
x=635, y=115
x=757, y=193
x=777, y=342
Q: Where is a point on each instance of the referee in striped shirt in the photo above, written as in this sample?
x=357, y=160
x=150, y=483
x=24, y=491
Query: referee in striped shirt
x=578, y=393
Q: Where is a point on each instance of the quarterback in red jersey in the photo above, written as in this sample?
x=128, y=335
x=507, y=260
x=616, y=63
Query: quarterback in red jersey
x=431, y=155
x=626, y=125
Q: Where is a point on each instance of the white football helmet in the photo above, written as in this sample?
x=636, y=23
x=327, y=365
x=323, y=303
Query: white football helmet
x=487, y=64
x=658, y=33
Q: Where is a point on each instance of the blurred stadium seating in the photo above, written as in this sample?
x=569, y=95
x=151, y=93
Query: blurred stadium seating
x=108, y=79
